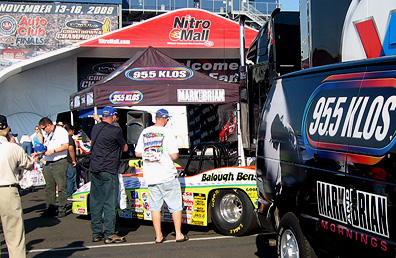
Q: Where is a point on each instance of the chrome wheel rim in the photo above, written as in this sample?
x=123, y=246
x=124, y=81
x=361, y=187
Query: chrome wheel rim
x=289, y=245
x=231, y=208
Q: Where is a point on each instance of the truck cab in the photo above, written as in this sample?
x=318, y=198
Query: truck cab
x=274, y=52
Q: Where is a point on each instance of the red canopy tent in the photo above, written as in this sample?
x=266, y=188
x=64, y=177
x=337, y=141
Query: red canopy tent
x=152, y=78
x=182, y=28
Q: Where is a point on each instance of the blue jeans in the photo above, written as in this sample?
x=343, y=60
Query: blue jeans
x=71, y=179
x=103, y=200
x=27, y=147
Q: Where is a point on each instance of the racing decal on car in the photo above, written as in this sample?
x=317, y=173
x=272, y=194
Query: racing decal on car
x=195, y=194
x=147, y=215
x=354, y=208
x=125, y=214
x=227, y=176
x=137, y=207
x=352, y=113
x=145, y=196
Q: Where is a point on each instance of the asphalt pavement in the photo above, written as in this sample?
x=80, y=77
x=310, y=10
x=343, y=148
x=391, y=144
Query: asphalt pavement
x=71, y=237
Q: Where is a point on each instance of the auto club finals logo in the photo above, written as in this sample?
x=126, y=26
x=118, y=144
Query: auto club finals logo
x=189, y=30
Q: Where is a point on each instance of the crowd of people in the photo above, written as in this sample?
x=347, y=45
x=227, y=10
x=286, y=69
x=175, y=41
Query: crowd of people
x=53, y=147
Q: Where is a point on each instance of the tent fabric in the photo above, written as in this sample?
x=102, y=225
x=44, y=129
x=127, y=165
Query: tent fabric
x=152, y=78
x=182, y=28
x=88, y=112
x=41, y=86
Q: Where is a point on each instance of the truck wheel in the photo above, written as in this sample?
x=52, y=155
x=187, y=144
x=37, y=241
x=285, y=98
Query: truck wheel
x=291, y=242
x=232, y=212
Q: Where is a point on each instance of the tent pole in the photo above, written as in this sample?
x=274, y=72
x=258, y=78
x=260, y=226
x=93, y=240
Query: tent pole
x=95, y=112
x=241, y=153
x=71, y=118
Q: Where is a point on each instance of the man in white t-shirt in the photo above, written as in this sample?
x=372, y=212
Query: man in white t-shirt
x=56, y=141
x=157, y=147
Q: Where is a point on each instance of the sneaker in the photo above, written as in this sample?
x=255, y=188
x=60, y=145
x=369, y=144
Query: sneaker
x=61, y=214
x=114, y=239
x=97, y=238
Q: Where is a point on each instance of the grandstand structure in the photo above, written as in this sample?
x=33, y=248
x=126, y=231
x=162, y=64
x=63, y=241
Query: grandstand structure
x=255, y=11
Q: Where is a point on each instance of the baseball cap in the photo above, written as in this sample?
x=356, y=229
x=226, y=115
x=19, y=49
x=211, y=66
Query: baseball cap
x=109, y=111
x=3, y=122
x=162, y=113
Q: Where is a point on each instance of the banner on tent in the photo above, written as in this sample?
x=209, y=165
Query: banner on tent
x=92, y=70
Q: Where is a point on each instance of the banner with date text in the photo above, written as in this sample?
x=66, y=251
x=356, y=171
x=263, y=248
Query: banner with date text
x=29, y=29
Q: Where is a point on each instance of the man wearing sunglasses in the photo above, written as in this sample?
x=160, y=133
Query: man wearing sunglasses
x=56, y=141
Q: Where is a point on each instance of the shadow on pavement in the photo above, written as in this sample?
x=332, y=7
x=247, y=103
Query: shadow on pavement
x=266, y=245
x=66, y=251
x=40, y=222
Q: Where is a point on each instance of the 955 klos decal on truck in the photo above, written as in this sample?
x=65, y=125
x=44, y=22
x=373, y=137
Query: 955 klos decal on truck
x=351, y=113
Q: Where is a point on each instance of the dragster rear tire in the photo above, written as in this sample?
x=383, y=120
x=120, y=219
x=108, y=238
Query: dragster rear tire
x=232, y=212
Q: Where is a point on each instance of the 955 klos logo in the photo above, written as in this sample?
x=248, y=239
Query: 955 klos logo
x=351, y=114
x=126, y=97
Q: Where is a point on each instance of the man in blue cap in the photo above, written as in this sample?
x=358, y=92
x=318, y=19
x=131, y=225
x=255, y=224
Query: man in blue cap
x=107, y=144
x=158, y=149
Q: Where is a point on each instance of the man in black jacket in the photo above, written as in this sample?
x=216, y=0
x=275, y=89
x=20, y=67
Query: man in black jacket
x=107, y=144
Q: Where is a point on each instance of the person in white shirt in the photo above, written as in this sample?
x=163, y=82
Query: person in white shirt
x=26, y=143
x=56, y=141
x=12, y=157
x=158, y=149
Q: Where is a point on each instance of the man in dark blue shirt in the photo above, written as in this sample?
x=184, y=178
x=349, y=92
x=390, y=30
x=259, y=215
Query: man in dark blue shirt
x=107, y=144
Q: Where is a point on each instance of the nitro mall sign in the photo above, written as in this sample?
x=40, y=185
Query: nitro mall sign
x=183, y=28
x=187, y=30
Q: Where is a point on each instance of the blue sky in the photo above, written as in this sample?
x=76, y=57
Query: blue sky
x=290, y=5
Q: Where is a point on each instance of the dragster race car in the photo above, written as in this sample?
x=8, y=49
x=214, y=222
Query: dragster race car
x=224, y=195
